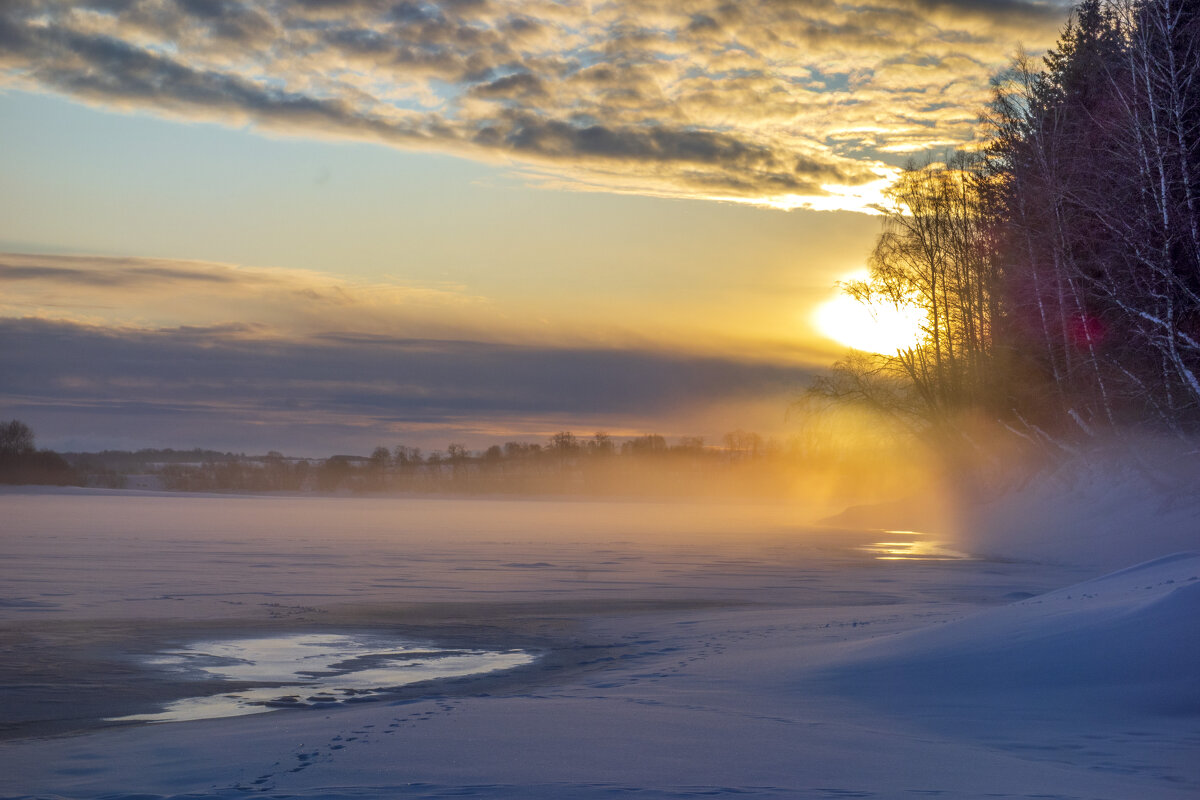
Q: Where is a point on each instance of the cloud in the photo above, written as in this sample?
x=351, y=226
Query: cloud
x=798, y=103
x=270, y=303
x=129, y=274
x=149, y=292
x=203, y=384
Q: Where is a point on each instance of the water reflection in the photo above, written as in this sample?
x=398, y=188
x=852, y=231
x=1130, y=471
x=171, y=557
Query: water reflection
x=912, y=546
x=312, y=670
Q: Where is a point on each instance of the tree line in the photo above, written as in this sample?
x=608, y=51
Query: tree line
x=825, y=457
x=564, y=464
x=1057, y=268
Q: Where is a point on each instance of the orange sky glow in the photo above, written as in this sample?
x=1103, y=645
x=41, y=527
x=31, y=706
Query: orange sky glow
x=500, y=219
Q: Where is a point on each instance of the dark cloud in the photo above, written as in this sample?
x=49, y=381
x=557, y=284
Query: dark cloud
x=121, y=276
x=730, y=162
x=663, y=96
x=194, y=373
x=1020, y=11
x=156, y=292
x=101, y=67
x=231, y=20
x=521, y=84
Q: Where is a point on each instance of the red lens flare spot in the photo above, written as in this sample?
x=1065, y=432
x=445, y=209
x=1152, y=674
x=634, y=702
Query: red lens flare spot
x=1086, y=329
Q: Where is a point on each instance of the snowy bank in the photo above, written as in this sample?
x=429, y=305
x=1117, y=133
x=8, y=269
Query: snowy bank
x=1127, y=641
x=1100, y=511
x=1099, y=517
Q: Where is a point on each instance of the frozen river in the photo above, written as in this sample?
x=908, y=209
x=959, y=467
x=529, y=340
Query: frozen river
x=585, y=649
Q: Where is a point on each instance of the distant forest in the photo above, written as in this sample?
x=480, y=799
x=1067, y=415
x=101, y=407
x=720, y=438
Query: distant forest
x=1058, y=268
x=564, y=464
x=744, y=464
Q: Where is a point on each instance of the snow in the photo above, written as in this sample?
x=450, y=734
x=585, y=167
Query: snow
x=685, y=650
x=1127, y=642
x=1094, y=518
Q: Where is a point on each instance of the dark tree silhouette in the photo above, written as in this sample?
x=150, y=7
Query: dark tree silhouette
x=22, y=463
x=1060, y=273
x=16, y=438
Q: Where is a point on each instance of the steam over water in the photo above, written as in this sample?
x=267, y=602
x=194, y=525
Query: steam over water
x=296, y=559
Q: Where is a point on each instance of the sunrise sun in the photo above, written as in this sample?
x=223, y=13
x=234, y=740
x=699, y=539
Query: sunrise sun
x=881, y=327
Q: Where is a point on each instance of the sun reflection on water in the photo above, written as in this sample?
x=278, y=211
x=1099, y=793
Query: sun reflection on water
x=915, y=548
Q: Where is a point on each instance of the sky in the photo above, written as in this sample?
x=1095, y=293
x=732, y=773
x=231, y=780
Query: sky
x=321, y=225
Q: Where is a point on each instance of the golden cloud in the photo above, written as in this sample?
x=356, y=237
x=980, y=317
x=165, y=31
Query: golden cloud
x=750, y=101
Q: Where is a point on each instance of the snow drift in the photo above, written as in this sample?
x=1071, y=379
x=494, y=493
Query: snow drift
x=1127, y=639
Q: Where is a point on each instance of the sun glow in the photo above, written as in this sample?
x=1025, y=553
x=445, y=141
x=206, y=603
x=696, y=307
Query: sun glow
x=881, y=327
